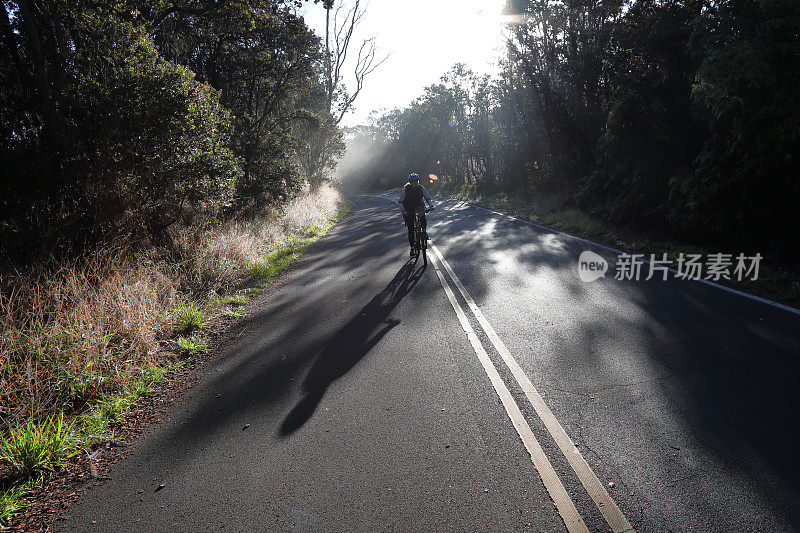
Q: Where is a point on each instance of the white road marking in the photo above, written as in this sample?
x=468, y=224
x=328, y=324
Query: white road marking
x=564, y=504
x=611, y=512
x=609, y=509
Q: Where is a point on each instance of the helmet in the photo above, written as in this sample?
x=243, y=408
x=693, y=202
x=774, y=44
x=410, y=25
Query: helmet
x=413, y=177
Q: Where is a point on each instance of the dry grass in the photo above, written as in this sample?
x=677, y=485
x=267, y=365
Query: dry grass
x=65, y=336
x=70, y=335
x=216, y=257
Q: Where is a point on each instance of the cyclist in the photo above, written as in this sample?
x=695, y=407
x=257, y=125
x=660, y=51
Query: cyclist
x=411, y=200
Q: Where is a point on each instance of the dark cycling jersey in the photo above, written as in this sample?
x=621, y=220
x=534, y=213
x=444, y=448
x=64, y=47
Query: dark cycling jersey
x=411, y=197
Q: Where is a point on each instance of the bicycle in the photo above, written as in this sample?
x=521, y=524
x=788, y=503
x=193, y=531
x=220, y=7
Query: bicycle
x=420, y=237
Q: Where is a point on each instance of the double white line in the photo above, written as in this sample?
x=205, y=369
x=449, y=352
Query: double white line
x=566, y=508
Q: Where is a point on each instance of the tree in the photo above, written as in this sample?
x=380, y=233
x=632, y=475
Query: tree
x=650, y=134
x=323, y=149
x=747, y=89
x=124, y=117
x=267, y=63
x=102, y=136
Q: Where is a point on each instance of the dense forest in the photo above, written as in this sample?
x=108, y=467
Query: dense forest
x=121, y=119
x=682, y=116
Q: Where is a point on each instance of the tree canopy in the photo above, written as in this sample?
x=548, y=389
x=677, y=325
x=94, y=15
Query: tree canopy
x=121, y=118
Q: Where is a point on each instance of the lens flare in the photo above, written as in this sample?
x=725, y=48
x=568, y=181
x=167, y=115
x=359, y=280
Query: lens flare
x=433, y=177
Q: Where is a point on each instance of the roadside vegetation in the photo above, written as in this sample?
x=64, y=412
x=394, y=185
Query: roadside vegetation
x=30, y=452
x=83, y=340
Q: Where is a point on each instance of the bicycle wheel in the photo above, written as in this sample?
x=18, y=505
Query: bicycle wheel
x=422, y=243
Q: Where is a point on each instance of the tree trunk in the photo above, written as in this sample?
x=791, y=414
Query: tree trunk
x=39, y=65
x=328, y=73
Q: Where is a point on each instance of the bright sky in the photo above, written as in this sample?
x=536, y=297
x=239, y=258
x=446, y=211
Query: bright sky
x=423, y=38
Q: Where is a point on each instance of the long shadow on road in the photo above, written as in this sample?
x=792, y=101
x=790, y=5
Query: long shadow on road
x=258, y=372
x=351, y=343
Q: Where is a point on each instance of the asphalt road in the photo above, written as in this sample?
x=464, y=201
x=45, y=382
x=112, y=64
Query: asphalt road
x=371, y=408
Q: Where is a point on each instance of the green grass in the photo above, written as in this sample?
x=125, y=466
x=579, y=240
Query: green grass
x=188, y=316
x=113, y=409
x=36, y=448
x=314, y=230
x=234, y=299
x=193, y=344
x=11, y=502
x=233, y=313
x=30, y=452
x=575, y=220
x=232, y=304
x=105, y=413
x=280, y=258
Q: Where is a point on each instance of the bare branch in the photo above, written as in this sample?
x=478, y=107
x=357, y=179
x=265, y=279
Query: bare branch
x=345, y=22
x=342, y=37
x=366, y=63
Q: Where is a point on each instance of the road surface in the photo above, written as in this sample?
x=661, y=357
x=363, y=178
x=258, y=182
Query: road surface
x=491, y=391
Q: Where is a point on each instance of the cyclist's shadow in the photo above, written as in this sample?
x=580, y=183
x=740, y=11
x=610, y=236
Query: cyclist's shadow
x=350, y=344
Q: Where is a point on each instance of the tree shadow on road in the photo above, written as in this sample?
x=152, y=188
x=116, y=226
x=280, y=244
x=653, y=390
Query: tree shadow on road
x=351, y=343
